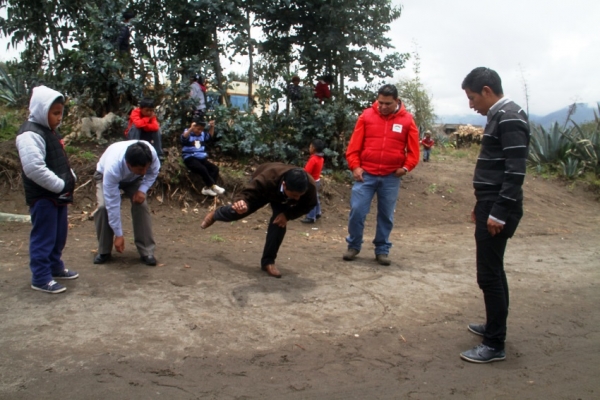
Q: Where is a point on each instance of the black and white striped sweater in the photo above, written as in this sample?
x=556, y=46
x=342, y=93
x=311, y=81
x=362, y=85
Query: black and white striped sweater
x=501, y=165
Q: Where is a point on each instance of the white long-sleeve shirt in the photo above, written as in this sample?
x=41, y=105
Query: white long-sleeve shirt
x=113, y=167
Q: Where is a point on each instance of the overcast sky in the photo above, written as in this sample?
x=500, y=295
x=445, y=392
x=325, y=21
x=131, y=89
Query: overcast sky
x=555, y=43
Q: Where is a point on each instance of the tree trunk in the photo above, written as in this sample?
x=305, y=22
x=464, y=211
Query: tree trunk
x=217, y=66
x=250, y=65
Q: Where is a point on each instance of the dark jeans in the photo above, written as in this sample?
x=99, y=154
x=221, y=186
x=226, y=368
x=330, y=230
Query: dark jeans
x=275, y=234
x=47, y=240
x=491, y=277
x=153, y=137
x=207, y=170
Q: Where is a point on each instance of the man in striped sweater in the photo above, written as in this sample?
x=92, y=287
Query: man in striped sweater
x=498, y=183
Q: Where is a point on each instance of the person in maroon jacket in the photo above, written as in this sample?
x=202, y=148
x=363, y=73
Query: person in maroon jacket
x=427, y=143
x=383, y=148
x=143, y=125
x=322, y=91
x=290, y=192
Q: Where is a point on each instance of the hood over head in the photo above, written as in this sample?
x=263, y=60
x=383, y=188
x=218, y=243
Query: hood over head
x=39, y=105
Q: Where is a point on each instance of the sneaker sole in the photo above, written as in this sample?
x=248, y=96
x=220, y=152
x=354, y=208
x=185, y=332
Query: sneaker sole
x=474, y=331
x=482, y=361
x=65, y=277
x=49, y=291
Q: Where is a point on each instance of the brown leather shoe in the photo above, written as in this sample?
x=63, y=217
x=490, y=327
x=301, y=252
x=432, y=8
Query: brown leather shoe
x=272, y=270
x=208, y=220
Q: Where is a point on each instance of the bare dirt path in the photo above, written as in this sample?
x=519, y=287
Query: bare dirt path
x=208, y=324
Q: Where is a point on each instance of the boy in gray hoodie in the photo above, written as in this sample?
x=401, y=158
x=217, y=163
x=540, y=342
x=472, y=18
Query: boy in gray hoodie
x=49, y=182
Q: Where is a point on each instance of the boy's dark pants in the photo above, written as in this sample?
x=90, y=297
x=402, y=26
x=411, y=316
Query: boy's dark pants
x=154, y=138
x=275, y=234
x=47, y=240
x=491, y=277
x=207, y=170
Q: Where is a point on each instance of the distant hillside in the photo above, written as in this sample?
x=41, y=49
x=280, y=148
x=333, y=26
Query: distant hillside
x=583, y=113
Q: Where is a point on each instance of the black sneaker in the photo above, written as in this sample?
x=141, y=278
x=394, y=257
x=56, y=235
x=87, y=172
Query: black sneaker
x=483, y=354
x=50, y=287
x=307, y=221
x=478, y=329
x=66, y=274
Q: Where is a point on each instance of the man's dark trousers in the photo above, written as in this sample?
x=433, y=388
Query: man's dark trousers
x=491, y=277
x=275, y=233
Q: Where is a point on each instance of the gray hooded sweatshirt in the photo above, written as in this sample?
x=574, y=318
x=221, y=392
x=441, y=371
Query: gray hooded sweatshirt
x=32, y=146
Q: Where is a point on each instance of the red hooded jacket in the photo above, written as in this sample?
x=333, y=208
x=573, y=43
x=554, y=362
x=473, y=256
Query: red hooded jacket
x=147, y=124
x=382, y=144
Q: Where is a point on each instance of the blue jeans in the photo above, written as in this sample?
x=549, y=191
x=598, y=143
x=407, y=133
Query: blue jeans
x=47, y=240
x=317, y=209
x=386, y=187
x=426, y=154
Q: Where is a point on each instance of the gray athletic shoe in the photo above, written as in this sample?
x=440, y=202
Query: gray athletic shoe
x=478, y=329
x=350, y=254
x=483, y=354
x=383, y=259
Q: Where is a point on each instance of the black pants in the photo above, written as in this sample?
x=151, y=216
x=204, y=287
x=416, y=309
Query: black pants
x=153, y=137
x=275, y=234
x=207, y=170
x=491, y=277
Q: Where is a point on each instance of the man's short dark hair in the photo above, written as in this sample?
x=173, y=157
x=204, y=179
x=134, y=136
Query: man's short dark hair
x=127, y=15
x=138, y=155
x=147, y=102
x=480, y=77
x=296, y=180
x=388, y=90
x=319, y=145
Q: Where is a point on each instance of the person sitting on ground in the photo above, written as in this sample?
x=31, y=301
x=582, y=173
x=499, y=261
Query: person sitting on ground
x=314, y=166
x=427, y=143
x=289, y=190
x=143, y=125
x=49, y=183
x=195, y=157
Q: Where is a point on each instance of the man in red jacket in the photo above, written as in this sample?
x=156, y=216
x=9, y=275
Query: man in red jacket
x=143, y=125
x=384, y=147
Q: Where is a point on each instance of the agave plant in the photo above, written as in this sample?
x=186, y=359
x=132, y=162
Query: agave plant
x=586, y=144
x=572, y=167
x=12, y=90
x=549, y=146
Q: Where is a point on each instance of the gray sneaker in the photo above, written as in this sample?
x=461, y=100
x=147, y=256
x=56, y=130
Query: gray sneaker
x=483, y=354
x=350, y=254
x=383, y=259
x=478, y=329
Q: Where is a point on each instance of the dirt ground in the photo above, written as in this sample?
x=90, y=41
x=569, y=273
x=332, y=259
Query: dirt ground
x=208, y=324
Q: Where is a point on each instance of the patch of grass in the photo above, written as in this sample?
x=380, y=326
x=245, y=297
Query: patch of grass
x=231, y=172
x=71, y=150
x=88, y=156
x=432, y=188
x=10, y=121
x=216, y=238
x=341, y=176
x=450, y=190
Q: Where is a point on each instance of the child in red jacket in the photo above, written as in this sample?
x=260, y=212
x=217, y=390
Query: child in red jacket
x=427, y=143
x=313, y=167
x=143, y=125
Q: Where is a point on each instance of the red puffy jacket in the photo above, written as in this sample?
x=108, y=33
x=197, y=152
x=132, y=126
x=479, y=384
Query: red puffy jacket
x=382, y=144
x=147, y=124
